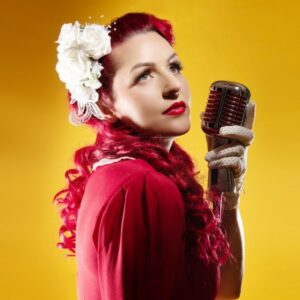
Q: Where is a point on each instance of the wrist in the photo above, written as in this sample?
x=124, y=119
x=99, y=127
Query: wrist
x=224, y=200
x=230, y=200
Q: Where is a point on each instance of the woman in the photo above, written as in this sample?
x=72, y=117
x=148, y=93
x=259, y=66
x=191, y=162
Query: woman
x=134, y=212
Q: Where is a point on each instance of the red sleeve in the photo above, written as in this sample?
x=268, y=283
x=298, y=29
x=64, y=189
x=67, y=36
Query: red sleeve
x=140, y=240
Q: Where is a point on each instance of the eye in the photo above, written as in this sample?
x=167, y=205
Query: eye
x=141, y=76
x=178, y=66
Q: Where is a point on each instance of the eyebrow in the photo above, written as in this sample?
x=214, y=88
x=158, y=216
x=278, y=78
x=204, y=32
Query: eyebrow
x=149, y=63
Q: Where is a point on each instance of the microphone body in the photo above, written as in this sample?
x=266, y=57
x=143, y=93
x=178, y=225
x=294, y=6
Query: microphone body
x=226, y=106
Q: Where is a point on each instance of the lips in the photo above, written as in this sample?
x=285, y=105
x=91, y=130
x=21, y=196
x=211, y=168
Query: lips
x=175, y=105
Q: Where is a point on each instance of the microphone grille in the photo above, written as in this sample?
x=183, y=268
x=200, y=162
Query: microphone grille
x=226, y=106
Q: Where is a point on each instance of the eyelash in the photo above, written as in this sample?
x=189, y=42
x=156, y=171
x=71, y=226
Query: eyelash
x=178, y=66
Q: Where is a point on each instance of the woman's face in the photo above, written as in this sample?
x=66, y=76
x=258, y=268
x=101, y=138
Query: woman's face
x=143, y=92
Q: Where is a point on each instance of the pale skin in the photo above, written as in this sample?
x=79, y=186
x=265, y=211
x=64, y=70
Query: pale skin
x=140, y=98
x=142, y=103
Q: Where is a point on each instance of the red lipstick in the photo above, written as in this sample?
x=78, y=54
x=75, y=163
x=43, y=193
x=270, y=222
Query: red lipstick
x=176, y=108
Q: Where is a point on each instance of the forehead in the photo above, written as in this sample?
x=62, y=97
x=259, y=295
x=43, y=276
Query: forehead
x=141, y=47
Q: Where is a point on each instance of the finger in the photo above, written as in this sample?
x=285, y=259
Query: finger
x=225, y=151
x=229, y=162
x=240, y=133
x=250, y=115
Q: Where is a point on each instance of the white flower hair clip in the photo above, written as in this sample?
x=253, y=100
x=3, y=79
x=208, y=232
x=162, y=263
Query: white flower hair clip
x=80, y=47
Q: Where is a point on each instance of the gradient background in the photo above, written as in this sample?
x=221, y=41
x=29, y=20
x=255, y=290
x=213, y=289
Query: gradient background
x=252, y=42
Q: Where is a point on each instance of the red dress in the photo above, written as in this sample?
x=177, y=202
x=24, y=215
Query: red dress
x=130, y=238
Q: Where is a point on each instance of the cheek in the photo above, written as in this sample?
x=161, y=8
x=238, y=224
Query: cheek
x=143, y=111
x=186, y=89
x=145, y=100
x=147, y=92
x=134, y=107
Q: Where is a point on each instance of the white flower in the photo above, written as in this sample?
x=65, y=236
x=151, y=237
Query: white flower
x=78, y=51
x=73, y=66
x=95, y=41
x=68, y=36
x=91, y=79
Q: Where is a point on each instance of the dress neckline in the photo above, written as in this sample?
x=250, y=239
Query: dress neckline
x=106, y=161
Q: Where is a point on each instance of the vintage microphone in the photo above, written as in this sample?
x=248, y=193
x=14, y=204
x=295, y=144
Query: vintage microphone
x=226, y=106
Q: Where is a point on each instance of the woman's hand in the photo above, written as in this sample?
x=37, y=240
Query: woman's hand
x=233, y=155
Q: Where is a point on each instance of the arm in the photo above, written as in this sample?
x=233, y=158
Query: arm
x=232, y=272
x=138, y=242
x=233, y=156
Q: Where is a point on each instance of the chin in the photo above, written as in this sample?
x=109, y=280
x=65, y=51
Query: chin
x=174, y=128
x=184, y=131
x=177, y=130
x=182, y=127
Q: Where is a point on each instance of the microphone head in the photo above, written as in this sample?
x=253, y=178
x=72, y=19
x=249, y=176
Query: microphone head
x=226, y=106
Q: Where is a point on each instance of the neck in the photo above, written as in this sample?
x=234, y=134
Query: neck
x=165, y=141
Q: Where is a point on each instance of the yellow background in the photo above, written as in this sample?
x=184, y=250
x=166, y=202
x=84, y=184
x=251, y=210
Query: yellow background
x=252, y=42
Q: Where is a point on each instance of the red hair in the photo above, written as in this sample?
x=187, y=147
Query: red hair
x=204, y=238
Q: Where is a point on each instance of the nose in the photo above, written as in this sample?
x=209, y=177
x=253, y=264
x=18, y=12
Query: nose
x=171, y=94
x=172, y=87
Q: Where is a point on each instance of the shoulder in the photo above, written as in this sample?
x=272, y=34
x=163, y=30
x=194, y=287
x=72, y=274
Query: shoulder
x=106, y=180
x=126, y=192
x=119, y=172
